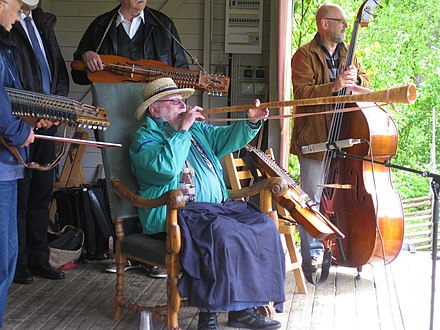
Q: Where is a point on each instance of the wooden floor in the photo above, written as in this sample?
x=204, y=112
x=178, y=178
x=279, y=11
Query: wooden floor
x=394, y=297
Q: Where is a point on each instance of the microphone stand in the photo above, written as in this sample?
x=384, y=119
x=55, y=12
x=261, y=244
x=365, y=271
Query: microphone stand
x=435, y=186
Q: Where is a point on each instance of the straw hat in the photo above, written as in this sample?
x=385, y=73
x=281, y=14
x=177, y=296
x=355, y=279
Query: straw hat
x=158, y=89
x=31, y=2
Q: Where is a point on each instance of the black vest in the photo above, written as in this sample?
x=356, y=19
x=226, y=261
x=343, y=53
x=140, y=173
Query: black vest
x=131, y=48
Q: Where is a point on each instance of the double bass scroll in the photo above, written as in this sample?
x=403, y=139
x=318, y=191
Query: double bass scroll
x=300, y=206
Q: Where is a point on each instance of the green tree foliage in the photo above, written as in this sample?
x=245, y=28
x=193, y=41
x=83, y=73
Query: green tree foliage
x=398, y=47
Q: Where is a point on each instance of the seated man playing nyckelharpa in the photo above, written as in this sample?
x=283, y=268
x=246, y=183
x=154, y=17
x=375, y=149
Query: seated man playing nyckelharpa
x=232, y=256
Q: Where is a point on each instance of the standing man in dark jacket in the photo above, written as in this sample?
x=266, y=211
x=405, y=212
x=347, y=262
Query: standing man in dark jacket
x=133, y=31
x=35, y=190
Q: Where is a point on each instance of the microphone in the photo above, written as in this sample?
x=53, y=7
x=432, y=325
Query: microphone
x=318, y=147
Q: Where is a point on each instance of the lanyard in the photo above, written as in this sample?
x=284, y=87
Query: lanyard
x=207, y=161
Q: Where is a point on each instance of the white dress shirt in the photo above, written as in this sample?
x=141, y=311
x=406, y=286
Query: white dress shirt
x=130, y=27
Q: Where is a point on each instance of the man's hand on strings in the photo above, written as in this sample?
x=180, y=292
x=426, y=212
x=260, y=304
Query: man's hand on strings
x=93, y=61
x=46, y=123
x=255, y=114
x=346, y=78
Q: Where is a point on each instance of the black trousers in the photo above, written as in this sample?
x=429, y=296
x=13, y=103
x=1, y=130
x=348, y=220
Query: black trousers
x=34, y=198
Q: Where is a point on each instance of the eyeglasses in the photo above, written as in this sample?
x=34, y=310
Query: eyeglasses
x=19, y=10
x=340, y=20
x=174, y=101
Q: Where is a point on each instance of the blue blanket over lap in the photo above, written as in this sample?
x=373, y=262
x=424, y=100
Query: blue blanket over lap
x=231, y=253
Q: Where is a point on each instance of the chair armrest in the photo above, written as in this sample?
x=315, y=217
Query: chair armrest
x=173, y=198
x=277, y=186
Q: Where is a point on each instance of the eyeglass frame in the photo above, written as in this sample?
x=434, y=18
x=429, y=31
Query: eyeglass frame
x=175, y=101
x=340, y=20
x=19, y=10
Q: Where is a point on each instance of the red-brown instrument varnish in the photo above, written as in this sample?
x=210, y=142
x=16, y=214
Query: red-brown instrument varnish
x=370, y=212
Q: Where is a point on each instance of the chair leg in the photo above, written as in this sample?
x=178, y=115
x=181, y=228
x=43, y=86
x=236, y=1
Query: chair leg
x=295, y=265
x=119, y=287
x=173, y=295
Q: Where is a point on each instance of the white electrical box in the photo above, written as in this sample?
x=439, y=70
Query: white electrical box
x=244, y=26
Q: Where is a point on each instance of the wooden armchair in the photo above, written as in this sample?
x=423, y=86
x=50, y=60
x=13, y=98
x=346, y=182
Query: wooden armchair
x=239, y=175
x=121, y=100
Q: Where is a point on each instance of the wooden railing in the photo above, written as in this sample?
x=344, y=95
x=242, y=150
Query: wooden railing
x=418, y=223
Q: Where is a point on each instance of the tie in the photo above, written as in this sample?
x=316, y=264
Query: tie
x=45, y=76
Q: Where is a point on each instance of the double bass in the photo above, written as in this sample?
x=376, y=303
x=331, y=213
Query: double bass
x=370, y=211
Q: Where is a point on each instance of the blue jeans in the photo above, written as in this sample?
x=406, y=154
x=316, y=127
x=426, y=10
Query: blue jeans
x=8, y=239
x=310, y=173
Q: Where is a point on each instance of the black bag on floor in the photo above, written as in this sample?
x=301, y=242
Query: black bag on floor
x=85, y=208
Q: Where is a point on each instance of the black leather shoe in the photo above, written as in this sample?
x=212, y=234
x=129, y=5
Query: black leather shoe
x=23, y=275
x=250, y=318
x=207, y=321
x=47, y=271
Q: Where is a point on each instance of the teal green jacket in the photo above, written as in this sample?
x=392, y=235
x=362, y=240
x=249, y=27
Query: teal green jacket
x=158, y=154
